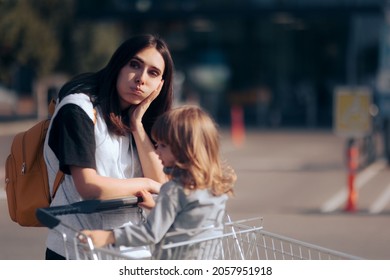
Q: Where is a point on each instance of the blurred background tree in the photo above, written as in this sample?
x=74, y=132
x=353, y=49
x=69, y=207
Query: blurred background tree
x=26, y=38
x=94, y=43
x=46, y=36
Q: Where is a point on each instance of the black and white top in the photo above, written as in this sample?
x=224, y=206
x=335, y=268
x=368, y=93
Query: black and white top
x=78, y=135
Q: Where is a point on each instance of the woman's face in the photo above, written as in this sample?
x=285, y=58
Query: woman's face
x=140, y=77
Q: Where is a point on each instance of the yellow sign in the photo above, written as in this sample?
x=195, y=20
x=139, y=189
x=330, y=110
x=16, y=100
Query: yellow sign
x=352, y=116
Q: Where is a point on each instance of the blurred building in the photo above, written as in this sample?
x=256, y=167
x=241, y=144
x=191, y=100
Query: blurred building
x=279, y=59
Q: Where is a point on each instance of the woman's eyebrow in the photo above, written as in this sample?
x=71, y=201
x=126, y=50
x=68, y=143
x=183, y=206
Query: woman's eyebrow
x=143, y=62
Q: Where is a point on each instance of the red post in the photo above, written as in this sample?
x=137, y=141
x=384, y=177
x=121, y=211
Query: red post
x=237, y=125
x=353, y=164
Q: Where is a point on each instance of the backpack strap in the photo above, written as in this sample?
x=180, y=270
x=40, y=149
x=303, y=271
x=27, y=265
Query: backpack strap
x=60, y=176
x=52, y=106
x=57, y=182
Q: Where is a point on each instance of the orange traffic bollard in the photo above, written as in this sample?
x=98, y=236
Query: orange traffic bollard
x=353, y=164
x=237, y=125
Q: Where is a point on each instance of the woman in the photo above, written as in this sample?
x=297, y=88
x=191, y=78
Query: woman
x=99, y=135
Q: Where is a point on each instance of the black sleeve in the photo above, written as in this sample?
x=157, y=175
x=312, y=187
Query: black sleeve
x=72, y=138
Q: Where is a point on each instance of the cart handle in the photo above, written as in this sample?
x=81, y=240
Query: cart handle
x=47, y=215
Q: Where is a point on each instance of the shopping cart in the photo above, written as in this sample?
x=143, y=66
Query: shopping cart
x=244, y=241
x=240, y=240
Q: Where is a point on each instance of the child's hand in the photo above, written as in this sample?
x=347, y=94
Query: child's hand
x=147, y=199
x=100, y=238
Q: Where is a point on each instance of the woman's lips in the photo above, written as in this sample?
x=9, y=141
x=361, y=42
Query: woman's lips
x=136, y=91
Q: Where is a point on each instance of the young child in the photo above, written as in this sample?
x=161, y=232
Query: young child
x=200, y=183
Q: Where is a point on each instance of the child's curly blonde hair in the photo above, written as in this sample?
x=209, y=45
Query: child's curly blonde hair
x=193, y=138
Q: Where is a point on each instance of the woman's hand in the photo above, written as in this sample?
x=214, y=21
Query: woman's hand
x=136, y=113
x=100, y=238
x=147, y=199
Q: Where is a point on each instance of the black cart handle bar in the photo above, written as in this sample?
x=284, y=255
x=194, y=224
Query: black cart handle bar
x=47, y=216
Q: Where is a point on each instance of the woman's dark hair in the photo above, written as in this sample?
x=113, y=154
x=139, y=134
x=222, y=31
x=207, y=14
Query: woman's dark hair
x=101, y=86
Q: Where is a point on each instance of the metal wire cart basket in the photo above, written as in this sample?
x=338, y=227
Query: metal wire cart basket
x=240, y=240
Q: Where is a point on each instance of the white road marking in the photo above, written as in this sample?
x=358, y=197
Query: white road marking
x=361, y=179
x=381, y=202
